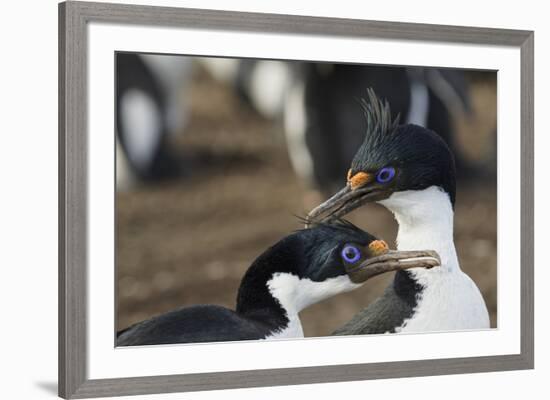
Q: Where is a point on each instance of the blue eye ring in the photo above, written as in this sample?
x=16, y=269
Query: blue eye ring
x=385, y=175
x=350, y=254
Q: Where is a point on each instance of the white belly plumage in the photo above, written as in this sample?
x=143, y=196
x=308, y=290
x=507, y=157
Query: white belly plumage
x=450, y=301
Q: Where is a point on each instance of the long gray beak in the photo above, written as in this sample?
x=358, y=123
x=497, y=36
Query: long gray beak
x=393, y=261
x=344, y=202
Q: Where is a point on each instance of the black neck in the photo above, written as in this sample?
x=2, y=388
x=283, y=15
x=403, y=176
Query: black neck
x=389, y=311
x=254, y=299
x=406, y=288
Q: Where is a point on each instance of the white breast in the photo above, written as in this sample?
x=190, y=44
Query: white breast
x=450, y=299
x=293, y=330
x=295, y=294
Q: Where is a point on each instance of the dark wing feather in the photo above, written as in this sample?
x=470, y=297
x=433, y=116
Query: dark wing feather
x=202, y=323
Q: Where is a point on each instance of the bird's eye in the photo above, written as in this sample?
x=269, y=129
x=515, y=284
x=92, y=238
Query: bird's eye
x=385, y=175
x=350, y=254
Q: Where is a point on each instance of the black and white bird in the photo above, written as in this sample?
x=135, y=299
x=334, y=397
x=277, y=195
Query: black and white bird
x=300, y=270
x=323, y=128
x=410, y=171
x=151, y=106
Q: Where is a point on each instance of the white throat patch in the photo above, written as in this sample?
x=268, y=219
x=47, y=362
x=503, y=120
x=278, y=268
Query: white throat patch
x=425, y=219
x=295, y=294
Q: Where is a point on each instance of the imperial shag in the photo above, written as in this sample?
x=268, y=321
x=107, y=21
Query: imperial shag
x=409, y=170
x=302, y=269
x=323, y=129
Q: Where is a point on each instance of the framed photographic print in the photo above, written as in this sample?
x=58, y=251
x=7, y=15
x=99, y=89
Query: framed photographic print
x=255, y=200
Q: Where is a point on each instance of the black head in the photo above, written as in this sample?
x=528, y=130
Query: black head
x=326, y=250
x=341, y=248
x=319, y=254
x=314, y=253
x=392, y=158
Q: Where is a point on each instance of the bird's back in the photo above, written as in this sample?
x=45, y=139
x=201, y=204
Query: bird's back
x=201, y=323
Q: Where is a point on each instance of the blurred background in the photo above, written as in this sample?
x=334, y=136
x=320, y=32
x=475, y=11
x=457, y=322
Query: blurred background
x=216, y=158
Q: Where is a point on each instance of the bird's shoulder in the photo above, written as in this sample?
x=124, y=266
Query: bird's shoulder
x=199, y=323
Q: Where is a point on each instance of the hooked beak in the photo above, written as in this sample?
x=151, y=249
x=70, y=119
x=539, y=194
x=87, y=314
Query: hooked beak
x=345, y=201
x=392, y=260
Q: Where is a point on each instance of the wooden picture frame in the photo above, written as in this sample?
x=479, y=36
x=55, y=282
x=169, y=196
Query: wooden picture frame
x=73, y=172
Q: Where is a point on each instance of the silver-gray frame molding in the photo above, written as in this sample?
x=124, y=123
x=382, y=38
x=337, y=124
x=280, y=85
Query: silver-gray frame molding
x=73, y=173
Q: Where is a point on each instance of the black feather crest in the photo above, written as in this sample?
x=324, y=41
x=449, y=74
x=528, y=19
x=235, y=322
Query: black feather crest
x=336, y=223
x=381, y=131
x=378, y=114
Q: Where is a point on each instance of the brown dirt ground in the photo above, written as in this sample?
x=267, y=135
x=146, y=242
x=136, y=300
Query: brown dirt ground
x=190, y=241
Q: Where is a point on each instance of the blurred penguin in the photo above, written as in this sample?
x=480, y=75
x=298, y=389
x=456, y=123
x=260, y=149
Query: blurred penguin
x=324, y=124
x=151, y=103
x=261, y=84
x=318, y=105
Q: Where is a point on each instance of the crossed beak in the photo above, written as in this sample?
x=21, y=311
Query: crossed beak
x=360, y=189
x=392, y=260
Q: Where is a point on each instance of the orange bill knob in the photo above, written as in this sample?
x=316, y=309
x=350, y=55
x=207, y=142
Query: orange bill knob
x=359, y=179
x=378, y=247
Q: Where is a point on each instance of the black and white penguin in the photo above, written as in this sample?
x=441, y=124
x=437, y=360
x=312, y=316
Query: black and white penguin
x=300, y=270
x=150, y=107
x=260, y=84
x=323, y=128
x=410, y=171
